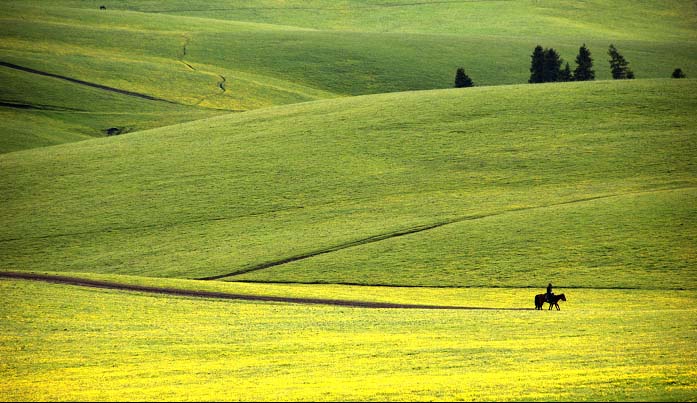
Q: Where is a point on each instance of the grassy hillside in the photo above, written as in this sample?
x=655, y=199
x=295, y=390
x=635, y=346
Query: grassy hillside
x=234, y=55
x=627, y=240
x=358, y=47
x=41, y=111
x=146, y=54
x=68, y=343
x=406, y=45
x=45, y=51
x=356, y=173
x=565, y=18
x=590, y=183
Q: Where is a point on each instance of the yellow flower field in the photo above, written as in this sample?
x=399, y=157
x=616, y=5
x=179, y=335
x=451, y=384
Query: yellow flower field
x=71, y=343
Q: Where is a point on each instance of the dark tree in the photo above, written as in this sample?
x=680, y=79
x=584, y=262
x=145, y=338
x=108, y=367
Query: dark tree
x=584, y=65
x=537, y=65
x=462, y=80
x=551, y=66
x=619, y=66
x=677, y=73
x=565, y=74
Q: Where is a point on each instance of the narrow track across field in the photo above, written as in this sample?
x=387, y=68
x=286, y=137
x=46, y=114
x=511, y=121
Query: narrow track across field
x=77, y=281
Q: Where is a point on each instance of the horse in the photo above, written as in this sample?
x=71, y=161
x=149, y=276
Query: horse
x=542, y=298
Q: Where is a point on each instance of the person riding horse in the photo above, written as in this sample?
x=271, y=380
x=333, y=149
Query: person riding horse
x=549, y=294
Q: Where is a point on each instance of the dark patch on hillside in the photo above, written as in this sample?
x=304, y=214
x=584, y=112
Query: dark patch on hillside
x=115, y=131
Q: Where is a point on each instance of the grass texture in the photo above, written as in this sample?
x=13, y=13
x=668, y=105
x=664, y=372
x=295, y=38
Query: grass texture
x=232, y=55
x=602, y=345
x=592, y=183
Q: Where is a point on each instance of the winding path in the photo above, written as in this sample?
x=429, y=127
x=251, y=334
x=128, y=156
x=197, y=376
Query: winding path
x=40, y=107
x=221, y=83
x=76, y=281
x=396, y=234
x=86, y=83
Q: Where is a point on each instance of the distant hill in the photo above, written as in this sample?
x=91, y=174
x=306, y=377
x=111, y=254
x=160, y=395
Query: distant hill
x=217, y=57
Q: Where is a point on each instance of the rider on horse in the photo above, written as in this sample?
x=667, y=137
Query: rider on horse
x=549, y=294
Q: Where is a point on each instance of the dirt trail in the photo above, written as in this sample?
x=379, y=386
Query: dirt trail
x=414, y=230
x=220, y=84
x=40, y=107
x=223, y=295
x=86, y=83
x=187, y=39
x=385, y=236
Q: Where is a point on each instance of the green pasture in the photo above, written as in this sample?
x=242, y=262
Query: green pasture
x=233, y=56
x=65, y=343
x=51, y=111
x=592, y=183
x=641, y=240
x=347, y=48
x=139, y=53
x=565, y=19
x=317, y=149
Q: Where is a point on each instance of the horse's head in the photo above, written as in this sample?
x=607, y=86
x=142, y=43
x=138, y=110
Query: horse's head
x=562, y=297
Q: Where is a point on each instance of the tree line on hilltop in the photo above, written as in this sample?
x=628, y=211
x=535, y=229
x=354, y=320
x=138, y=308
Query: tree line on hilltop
x=546, y=67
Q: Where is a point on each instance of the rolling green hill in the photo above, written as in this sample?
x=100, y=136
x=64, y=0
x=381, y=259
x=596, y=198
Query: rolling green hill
x=293, y=180
x=232, y=55
x=593, y=183
x=39, y=110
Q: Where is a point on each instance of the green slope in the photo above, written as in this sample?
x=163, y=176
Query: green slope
x=358, y=47
x=40, y=110
x=587, y=243
x=233, y=55
x=148, y=54
x=592, y=183
x=561, y=18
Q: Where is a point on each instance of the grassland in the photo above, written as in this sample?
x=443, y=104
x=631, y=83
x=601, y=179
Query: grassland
x=583, y=244
x=47, y=111
x=354, y=173
x=235, y=55
x=366, y=47
x=518, y=183
x=603, y=345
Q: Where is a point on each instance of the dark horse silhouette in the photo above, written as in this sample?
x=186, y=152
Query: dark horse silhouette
x=541, y=299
